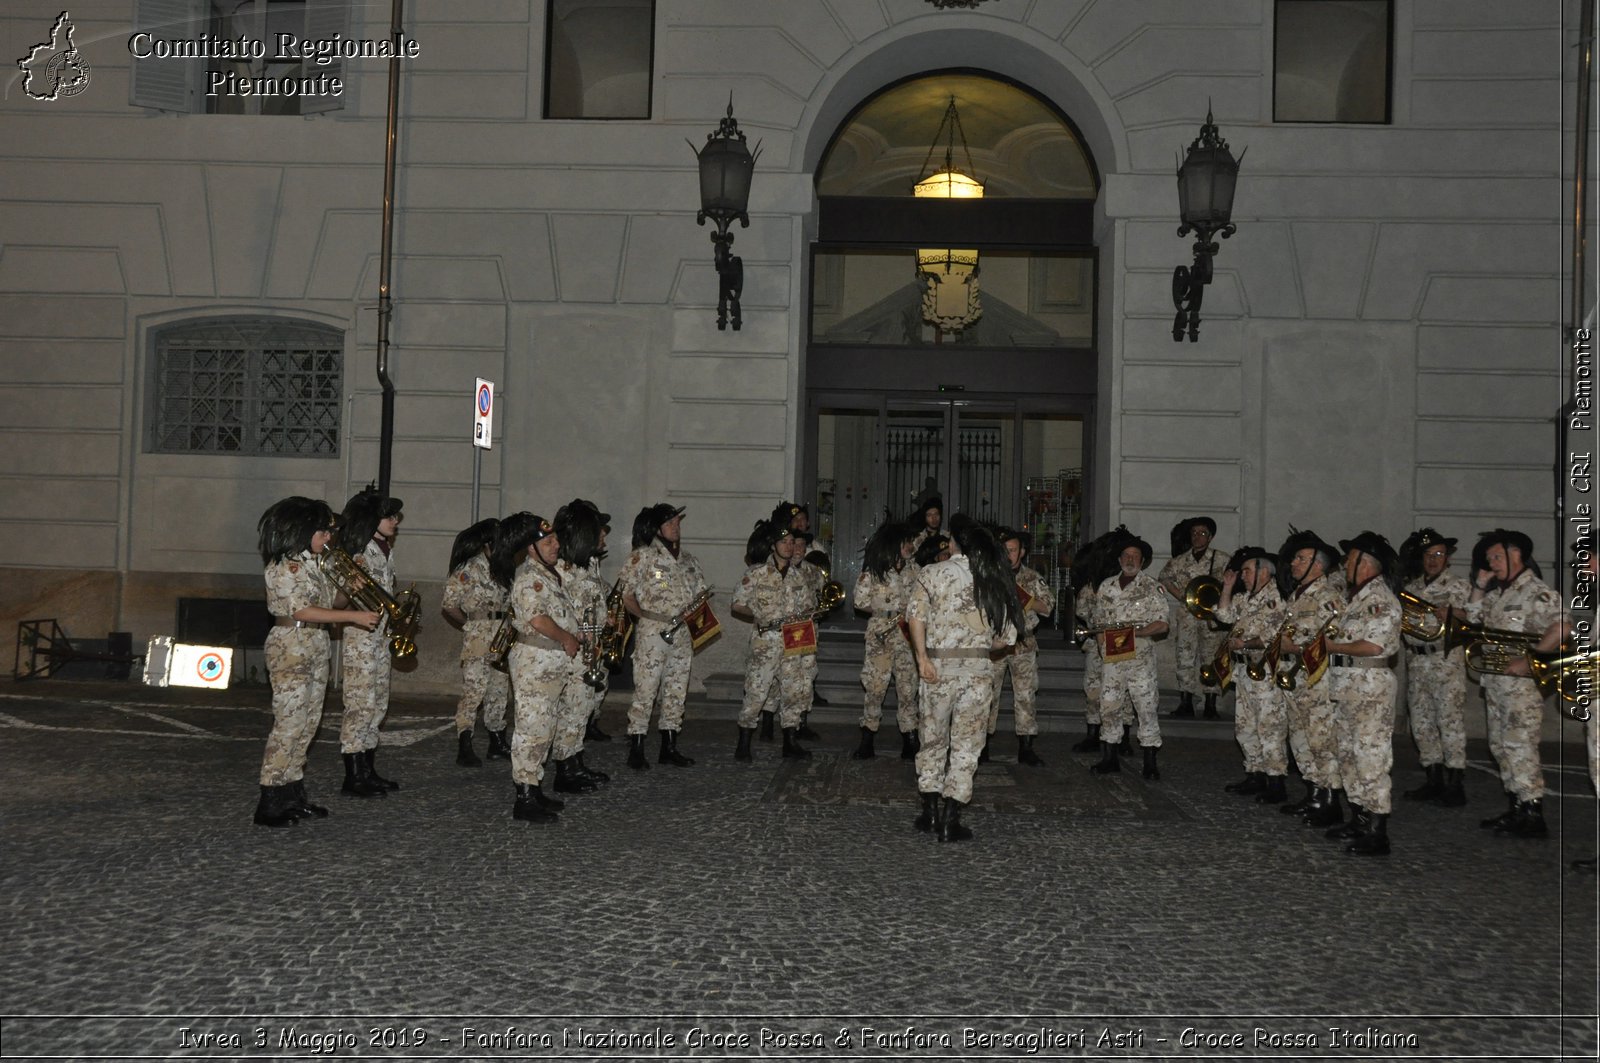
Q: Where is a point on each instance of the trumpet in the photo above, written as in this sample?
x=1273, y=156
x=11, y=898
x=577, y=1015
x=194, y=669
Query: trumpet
x=500, y=645
x=1286, y=678
x=618, y=626
x=682, y=618
x=1418, y=619
x=1572, y=675
x=403, y=613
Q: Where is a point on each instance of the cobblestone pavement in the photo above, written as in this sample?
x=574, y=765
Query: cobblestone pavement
x=727, y=897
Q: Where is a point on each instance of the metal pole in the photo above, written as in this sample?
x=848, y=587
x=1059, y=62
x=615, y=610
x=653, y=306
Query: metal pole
x=477, y=478
x=385, y=308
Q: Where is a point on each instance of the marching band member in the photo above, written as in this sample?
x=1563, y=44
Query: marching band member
x=1089, y=570
x=543, y=659
x=581, y=529
x=292, y=534
x=779, y=598
x=1023, y=661
x=960, y=612
x=1436, y=678
x=1197, y=639
x=367, y=530
x=1314, y=601
x=1251, y=603
x=927, y=519
x=882, y=590
x=662, y=581
x=1129, y=611
x=1509, y=595
x=1363, y=648
x=476, y=604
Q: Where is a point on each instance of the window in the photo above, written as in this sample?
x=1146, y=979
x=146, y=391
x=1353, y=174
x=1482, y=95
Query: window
x=173, y=72
x=1332, y=60
x=598, y=56
x=263, y=386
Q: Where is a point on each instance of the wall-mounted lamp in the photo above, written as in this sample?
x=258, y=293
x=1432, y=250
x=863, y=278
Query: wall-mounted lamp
x=1205, y=203
x=725, y=167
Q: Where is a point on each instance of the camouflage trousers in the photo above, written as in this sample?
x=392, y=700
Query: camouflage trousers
x=1128, y=692
x=486, y=686
x=660, y=671
x=794, y=679
x=1311, y=732
x=297, y=664
x=1023, y=664
x=1436, y=701
x=1260, y=722
x=1364, y=721
x=579, y=703
x=366, y=688
x=951, y=719
x=537, y=676
x=1091, y=687
x=1516, y=716
x=888, y=654
x=1195, y=646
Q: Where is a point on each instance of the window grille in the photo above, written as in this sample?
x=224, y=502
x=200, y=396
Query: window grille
x=264, y=387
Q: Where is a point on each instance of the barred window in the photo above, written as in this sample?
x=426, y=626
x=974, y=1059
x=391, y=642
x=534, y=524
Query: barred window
x=248, y=387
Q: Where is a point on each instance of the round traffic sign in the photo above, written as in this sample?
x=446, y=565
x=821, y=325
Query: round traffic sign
x=485, y=399
x=210, y=667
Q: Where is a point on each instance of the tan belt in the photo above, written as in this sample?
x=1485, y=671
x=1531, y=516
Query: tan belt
x=538, y=642
x=659, y=618
x=289, y=621
x=957, y=652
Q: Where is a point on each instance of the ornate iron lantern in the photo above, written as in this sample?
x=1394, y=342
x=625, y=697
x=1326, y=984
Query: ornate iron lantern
x=725, y=168
x=1206, y=183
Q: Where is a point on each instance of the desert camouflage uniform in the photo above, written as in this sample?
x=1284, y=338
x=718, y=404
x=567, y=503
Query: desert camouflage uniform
x=1196, y=643
x=1091, y=659
x=473, y=590
x=664, y=586
x=1436, y=681
x=1310, y=706
x=1516, y=708
x=1363, y=696
x=773, y=596
x=1138, y=604
x=1260, y=720
x=366, y=664
x=1022, y=661
x=954, y=709
x=887, y=651
x=579, y=700
x=539, y=667
x=297, y=664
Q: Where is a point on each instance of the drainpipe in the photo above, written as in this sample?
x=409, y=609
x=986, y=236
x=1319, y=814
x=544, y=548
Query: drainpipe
x=385, y=307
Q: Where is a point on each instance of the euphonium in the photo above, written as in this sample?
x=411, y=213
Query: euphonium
x=500, y=645
x=1493, y=650
x=1572, y=675
x=618, y=625
x=1418, y=619
x=683, y=618
x=402, y=613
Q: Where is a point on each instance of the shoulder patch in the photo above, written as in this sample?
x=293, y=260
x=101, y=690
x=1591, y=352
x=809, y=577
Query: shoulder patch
x=538, y=585
x=294, y=566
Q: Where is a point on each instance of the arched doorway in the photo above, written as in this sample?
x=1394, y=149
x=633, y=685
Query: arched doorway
x=951, y=346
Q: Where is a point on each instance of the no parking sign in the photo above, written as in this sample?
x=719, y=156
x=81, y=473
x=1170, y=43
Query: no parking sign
x=483, y=414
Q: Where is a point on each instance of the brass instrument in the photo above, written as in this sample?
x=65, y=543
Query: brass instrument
x=1201, y=596
x=1268, y=664
x=831, y=594
x=1493, y=650
x=403, y=613
x=1572, y=675
x=594, y=664
x=500, y=645
x=1211, y=671
x=1082, y=632
x=682, y=618
x=1286, y=678
x=1418, y=619
x=618, y=626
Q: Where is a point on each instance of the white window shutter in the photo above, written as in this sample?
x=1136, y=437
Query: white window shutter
x=166, y=84
x=324, y=18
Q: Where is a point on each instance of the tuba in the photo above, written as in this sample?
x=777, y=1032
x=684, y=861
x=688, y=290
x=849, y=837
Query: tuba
x=500, y=645
x=403, y=613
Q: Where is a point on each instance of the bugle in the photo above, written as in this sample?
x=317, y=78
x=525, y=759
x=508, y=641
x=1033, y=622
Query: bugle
x=1286, y=678
x=618, y=626
x=1211, y=673
x=403, y=613
x=1267, y=664
x=500, y=644
x=682, y=618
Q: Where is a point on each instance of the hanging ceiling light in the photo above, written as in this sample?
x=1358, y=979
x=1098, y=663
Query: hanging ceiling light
x=950, y=300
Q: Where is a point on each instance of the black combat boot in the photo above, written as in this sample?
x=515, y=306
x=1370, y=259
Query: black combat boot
x=1528, y=822
x=1252, y=783
x=1431, y=787
x=1108, y=760
x=465, y=757
x=983, y=754
x=499, y=745
x=301, y=805
x=1150, y=769
x=636, y=758
x=594, y=773
x=930, y=813
x=742, y=750
x=272, y=810
x=357, y=781
x=569, y=781
x=1211, y=707
x=804, y=730
x=1298, y=808
x=372, y=771
x=549, y=804
x=669, y=751
x=1353, y=829
x=908, y=745
x=1185, y=709
x=792, y=750
x=865, y=751
x=766, y=727
x=1091, y=739
x=1499, y=822
x=1329, y=813
x=1374, y=840
x=1272, y=793
x=950, y=828
x=1452, y=792
x=527, y=807
x=1025, y=753
x=592, y=732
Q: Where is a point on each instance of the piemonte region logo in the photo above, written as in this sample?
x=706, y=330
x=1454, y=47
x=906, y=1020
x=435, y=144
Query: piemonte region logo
x=55, y=69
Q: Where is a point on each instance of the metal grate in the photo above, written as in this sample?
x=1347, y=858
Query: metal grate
x=248, y=387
